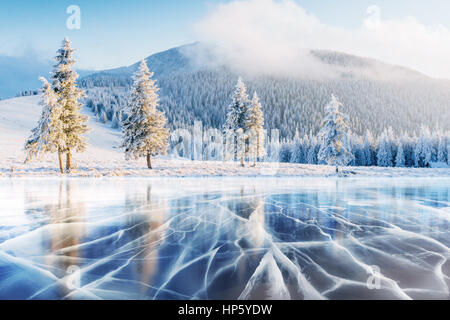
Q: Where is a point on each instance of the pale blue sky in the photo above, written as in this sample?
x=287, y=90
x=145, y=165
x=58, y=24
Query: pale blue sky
x=115, y=33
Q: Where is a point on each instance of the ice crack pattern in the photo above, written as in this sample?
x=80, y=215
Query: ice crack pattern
x=229, y=238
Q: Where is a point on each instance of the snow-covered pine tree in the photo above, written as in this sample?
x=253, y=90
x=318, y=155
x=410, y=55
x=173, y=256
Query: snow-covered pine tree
x=384, y=154
x=442, y=150
x=408, y=149
x=349, y=145
x=144, y=133
x=297, y=153
x=435, y=137
x=392, y=142
x=400, y=157
x=305, y=147
x=369, y=147
x=311, y=156
x=423, y=150
x=285, y=152
x=255, y=127
x=115, y=123
x=48, y=135
x=358, y=151
x=448, y=152
x=68, y=97
x=332, y=136
x=237, y=117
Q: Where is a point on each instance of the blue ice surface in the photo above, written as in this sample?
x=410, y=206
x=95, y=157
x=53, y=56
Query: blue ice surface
x=237, y=238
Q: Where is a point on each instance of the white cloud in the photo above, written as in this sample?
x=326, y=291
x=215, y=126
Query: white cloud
x=269, y=35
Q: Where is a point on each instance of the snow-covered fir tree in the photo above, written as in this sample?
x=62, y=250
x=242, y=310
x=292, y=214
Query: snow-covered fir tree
x=369, y=149
x=300, y=152
x=448, y=153
x=423, y=151
x=238, y=118
x=48, y=135
x=285, y=152
x=332, y=136
x=358, y=151
x=392, y=142
x=400, y=157
x=255, y=127
x=384, y=154
x=68, y=98
x=408, y=149
x=314, y=146
x=143, y=132
x=298, y=155
x=442, y=150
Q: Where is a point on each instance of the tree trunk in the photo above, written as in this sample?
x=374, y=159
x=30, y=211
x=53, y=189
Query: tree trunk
x=68, y=161
x=242, y=162
x=60, y=159
x=149, y=161
x=337, y=169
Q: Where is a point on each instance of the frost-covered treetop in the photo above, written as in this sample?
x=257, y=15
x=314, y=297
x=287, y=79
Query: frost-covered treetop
x=63, y=68
x=333, y=135
x=256, y=120
x=335, y=121
x=145, y=88
x=241, y=90
x=237, y=116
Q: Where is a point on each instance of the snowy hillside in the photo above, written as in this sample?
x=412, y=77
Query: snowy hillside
x=102, y=158
x=19, y=115
x=194, y=86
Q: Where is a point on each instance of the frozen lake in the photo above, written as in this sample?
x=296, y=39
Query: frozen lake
x=225, y=238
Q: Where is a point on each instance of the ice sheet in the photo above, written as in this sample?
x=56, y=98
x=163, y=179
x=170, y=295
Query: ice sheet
x=225, y=239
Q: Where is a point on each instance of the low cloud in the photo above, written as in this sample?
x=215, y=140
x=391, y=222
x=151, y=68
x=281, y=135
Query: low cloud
x=274, y=37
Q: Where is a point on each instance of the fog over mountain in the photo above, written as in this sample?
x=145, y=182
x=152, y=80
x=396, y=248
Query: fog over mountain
x=18, y=74
x=197, y=80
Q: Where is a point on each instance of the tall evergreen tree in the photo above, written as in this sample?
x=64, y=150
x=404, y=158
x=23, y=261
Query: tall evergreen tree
x=311, y=156
x=448, y=153
x=384, y=154
x=255, y=127
x=238, y=117
x=423, y=151
x=143, y=132
x=358, y=152
x=369, y=153
x=408, y=149
x=442, y=150
x=332, y=136
x=48, y=135
x=285, y=152
x=400, y=157
x=68, y=98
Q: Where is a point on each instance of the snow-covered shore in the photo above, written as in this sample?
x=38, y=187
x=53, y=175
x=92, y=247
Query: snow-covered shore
x=103, y=159
x=183, y=168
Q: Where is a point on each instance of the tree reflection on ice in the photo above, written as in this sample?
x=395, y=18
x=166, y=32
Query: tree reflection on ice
x=224, y=238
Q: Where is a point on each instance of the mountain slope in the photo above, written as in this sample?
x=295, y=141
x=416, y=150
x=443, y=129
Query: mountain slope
x=19, y=115
x=375, y=95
